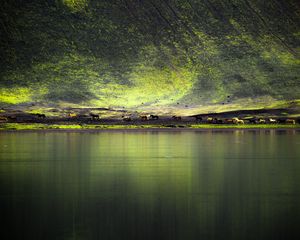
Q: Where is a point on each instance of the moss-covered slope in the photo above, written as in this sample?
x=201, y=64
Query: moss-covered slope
x=130, y=53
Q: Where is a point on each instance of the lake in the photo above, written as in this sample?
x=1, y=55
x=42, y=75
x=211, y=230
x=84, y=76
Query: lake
x=152, y=184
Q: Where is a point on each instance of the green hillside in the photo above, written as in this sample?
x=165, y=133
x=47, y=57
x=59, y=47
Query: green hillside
x=149, y=53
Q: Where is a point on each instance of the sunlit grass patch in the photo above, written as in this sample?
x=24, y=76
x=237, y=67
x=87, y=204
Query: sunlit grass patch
x=285, y=104
x=38, y=126
x=44, y=110
x=75, y=5
x=221, y=126
x=15, y=95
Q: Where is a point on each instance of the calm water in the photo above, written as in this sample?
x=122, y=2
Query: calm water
x=150, y=185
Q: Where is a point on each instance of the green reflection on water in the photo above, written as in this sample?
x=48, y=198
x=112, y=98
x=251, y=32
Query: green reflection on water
x=151, y=184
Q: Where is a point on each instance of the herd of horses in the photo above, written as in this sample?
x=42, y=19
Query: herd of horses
x=252, y=120
x=211, y=120
x=128, y=118
x=141, y=117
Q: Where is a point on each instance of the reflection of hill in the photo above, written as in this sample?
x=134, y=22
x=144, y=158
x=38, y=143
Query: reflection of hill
x=151, y=185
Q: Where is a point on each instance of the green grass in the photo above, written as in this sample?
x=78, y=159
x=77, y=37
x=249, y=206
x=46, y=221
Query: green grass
x=38, y=126
x=224, y=126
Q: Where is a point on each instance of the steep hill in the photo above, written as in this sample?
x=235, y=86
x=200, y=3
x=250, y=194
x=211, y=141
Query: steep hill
x=149, y=53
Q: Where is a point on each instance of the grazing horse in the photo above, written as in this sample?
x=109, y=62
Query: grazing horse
x=209, y=120
x=126, y=118
x=40, y=115
x=217, y=121
x=252, y=120
x=290, y=121
x=235, y=120
x=281, y=120
x=228, y=121
x=272, y=120
x=177, y=118
x=199, y=118
x=12, y=118
x=261, y=121
x=143, y=117
x=72, y=115
x=94, y=116
x=154, y=117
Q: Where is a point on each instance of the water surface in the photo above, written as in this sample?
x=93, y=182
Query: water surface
x=239, y=184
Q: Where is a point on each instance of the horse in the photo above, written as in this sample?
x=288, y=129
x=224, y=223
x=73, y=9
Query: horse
x=281, y=120
x=290, y=121
x=217, y=121
x=12, y=118
x=199, y=118
x=126, y=118
x=271, y=120
x=177, y=118
x=94, y=116
x=143, y=117
x=209, y=120
x=154, y=117
x=40, y=115
x=261, y=121
x=235, y=120
x=72, y=115
x=252, y=120
x=228, y=121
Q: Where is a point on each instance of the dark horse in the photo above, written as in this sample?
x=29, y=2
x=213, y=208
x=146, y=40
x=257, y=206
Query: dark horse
x=178, y=118
x=154, y=117
x=94, y=116
x=198, y=118
x=40, y=115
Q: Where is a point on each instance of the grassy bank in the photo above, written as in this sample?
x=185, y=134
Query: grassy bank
x=38, y=126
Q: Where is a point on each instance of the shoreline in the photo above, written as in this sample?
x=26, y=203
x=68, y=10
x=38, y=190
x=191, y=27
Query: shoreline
x=158, y=130
x=16, y=127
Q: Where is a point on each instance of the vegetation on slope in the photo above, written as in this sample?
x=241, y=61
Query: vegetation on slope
x=130, y=53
